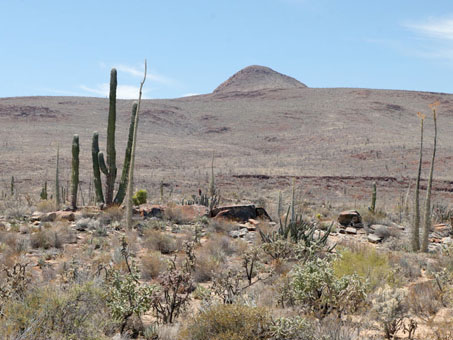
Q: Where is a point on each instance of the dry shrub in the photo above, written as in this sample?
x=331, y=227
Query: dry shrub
x=50, y=313
x=212, y=255
x=111, y=214
x=152, y=265
x=221, y=226
x=424, y=298
x=176, y=214
x=224, y=321
x=205, y=266
x=45, y=206
x=49, y=238
x=157, y=240
x=409, y=265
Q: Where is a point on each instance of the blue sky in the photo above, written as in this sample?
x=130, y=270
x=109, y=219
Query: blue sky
x=68, y=47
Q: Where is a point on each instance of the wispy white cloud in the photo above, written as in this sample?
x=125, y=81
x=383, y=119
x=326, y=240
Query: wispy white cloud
x=434, y=38
x=138, y=73
x=440, y=28
x=122, y=92
x=190, y=94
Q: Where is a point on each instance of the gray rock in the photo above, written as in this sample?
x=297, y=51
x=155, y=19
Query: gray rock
x=238, y=233
x=374, y=238
x=351, y=231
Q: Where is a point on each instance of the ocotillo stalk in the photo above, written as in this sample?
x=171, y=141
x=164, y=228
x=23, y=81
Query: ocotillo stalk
x=212, y=182
x=427, y=226
x=75, y=171
x=57, y=180
x=130, y=183
x=96, y=169
x=373, y=199
x=416, y=224
x=12, y=185
x=293, y=199
x=127, y=159
x=109, y=167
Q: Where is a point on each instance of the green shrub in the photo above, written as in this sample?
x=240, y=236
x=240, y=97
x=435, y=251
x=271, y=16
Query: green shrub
x=367, y=263
x=140, y=197
x=320, y=292
x=227, y=322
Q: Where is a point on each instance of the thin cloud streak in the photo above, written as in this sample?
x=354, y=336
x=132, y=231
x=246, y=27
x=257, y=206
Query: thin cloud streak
x=122, y=92
x=137, y=72
x=436, y=28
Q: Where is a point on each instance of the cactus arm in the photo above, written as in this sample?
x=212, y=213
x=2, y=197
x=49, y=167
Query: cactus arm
x=102, y=164
x=75, y=171
x=127, y=159
x=96, y=170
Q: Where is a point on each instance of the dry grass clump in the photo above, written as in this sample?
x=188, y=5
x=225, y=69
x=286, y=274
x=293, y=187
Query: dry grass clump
x=53, y=237
x=221, y=322
x=45, y=206
x=212, y=255
x=152, y=265
x=160, y=241
x=221, y=226
x=425, y=298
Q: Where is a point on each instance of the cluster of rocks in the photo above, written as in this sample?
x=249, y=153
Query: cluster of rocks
x=350, y=222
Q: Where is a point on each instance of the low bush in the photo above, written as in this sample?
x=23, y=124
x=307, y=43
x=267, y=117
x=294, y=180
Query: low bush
x=367, y=263
x=50, y=313
x=227, y=322
x=157, y=240
x=317, y=289
x=152, y=265
x=140, y=197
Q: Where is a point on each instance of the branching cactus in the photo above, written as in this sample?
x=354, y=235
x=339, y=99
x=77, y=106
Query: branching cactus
x=75, y=171
x=108, y=165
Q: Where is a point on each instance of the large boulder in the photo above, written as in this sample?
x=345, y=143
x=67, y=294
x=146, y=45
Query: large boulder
x=240, y=213
x=350, y=218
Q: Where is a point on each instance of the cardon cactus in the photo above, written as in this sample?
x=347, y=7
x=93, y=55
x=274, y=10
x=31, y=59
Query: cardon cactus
x=108, y=166
x=75, y=171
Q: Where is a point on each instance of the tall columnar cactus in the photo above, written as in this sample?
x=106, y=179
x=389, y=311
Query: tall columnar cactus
x=96, y=171
x=415, y=240
x=373, y=199
x=427, y=225
x=108, y=167
x=75, y=171
x=12, y=185
x=127, y=159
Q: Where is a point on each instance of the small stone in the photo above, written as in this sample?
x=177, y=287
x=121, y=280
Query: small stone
x=351, y=231
x=447, y=240
x=49, y=217
x=374, y=238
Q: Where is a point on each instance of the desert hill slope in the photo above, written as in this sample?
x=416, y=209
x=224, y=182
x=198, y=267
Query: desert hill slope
x=258, y=122
x=258, y=78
